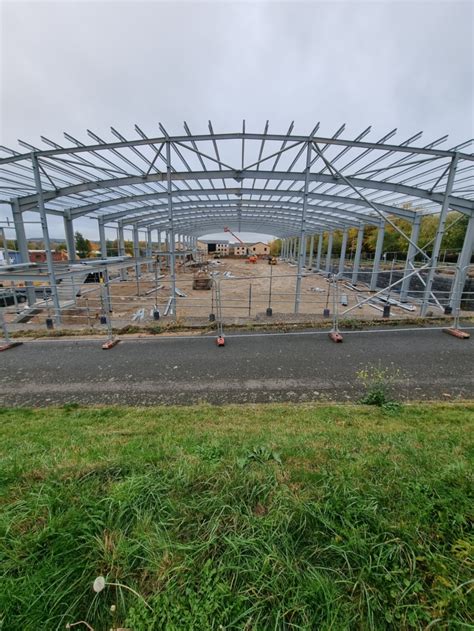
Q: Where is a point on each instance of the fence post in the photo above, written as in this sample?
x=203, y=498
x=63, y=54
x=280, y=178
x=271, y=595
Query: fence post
x=8, y=343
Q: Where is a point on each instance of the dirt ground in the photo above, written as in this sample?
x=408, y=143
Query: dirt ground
x=244, y=289
x=245, y=297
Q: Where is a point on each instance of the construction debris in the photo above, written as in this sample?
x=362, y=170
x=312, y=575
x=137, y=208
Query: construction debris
x=397, y=303
x=138, y=315
x=169, y=307
x=150, y=291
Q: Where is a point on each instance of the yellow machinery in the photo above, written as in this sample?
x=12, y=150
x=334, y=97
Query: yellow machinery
x=202, y=280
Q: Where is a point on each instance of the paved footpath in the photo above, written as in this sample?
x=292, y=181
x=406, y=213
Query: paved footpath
x=250, y=368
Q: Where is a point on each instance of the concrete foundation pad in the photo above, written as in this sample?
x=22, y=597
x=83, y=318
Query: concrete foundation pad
x=462, y=335
x=6, y=347
x=110, y=344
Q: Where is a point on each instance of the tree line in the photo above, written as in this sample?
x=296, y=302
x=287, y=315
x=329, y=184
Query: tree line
x=395, y=245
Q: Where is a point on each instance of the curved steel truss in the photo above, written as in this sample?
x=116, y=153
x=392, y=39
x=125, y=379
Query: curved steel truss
x=287, y=185
x=248, y=181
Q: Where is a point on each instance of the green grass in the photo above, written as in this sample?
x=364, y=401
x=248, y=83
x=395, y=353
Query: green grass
x=255, y=517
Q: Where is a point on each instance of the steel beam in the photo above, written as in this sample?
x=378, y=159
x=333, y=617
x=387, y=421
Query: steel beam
x=329, y=213
x=238, y=192
x=463, y=205
x=240, y=136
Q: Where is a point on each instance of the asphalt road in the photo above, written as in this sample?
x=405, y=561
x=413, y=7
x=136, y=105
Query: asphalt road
x=279, y=367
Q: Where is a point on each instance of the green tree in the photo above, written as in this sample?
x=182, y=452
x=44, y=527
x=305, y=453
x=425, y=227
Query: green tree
x=128, y=247
x=275, y=247
x=112, y=247
x=456, y=227
x=83, y=246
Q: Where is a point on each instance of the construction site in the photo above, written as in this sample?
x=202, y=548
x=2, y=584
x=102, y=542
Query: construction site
x=175, y=189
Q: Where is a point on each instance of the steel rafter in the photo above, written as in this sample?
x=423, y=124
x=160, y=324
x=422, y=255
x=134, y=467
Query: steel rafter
x=198, y=177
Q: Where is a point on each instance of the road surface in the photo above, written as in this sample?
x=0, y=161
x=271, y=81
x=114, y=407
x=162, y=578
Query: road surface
x=305, y=366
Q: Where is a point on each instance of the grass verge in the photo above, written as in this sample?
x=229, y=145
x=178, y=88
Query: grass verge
x=258, y=517
x=347, y=324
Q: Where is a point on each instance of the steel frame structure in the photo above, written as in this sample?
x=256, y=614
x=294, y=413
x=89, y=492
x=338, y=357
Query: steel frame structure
x=288, y=185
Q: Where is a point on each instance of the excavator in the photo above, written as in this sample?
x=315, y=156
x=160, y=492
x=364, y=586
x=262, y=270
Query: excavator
x=252, y=258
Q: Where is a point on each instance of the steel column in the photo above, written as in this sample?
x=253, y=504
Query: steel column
x=105, y=273
x=377, y=257
x=5, y=246
x=355, y=268
x=22, y=243
x=463, y=263
x=342, y=259
x=120, y=240
x=310, y=255
x=172, y=251
x=102, y=240
x=329, y=253
x=302, y=252
x=47, y=243
x=149, y=247
x=121, y=250
x=136, y=251
x=439, y=235
x=71, y=250
x=70, y=241
x=319, y=252
x=410, y=260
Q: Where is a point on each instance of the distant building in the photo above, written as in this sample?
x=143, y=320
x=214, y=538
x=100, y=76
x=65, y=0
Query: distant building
x=224, y=248
x=238, y=249
x=13, y=256
x=259, y=248
x=216, y=246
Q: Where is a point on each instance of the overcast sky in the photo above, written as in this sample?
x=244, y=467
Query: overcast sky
x=73, y=65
